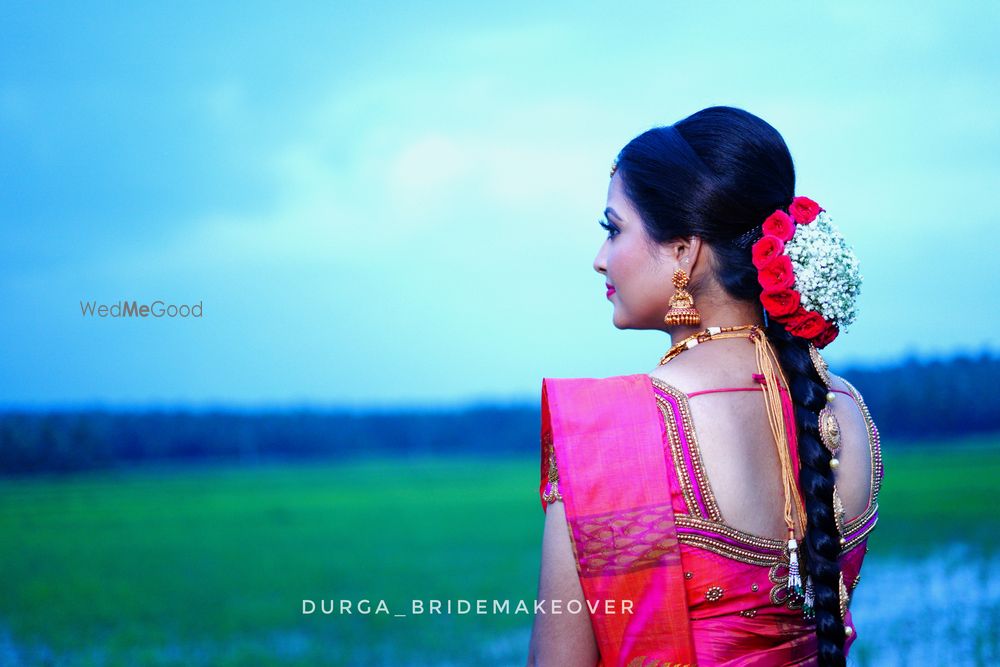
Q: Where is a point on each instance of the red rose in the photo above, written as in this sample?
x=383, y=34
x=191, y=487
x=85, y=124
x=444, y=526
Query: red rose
x=776, y=274
x=791, y=320
x=804, y=210
x=767, y=247
x=809, y=325
x=826, y=336
x=780, y=225
x=780, y=303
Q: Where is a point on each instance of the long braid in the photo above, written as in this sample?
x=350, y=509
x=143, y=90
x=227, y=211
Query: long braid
x=822, y=540
x=717, y=174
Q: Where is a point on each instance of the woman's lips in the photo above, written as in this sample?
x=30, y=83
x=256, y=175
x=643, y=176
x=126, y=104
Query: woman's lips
x=611, y=290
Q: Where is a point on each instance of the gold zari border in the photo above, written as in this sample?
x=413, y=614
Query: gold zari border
x=694, y=450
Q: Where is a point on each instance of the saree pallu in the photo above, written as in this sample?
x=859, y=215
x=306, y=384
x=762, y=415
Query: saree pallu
x=620, y=516
x=645, y=527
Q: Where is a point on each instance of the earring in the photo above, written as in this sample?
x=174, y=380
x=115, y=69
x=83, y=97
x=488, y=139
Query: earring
x=682, y=310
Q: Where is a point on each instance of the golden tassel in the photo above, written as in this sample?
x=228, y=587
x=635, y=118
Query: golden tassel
x=795, y=512
x=773, y=380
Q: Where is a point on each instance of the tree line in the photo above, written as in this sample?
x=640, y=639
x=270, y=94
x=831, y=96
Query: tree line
x=911, y=402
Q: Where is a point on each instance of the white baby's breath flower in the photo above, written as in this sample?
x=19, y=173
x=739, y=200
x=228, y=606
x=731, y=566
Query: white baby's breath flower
x=827, y=276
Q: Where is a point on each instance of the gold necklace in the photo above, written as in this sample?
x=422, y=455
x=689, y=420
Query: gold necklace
x=753, y=331
x=774, y=384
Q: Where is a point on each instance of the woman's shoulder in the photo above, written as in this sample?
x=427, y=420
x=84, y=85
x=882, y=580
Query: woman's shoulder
x=595, y=428
x=842, y=384
x=588, y=379
x=854, y=410
x=681, y=376
x=575, y=394
x=673, y=376
x=859, y=432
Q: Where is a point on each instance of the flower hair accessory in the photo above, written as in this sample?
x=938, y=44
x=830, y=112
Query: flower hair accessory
x=808, y=273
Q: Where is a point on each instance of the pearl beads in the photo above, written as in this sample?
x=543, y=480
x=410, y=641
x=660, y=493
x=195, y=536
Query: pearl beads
x=830, y=396
x=848, y=630
x=834, y=463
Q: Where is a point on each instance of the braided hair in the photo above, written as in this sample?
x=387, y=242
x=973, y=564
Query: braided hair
x=717, y=174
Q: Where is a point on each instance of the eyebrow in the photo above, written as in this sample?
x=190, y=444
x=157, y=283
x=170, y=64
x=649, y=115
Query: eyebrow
x=612, y=213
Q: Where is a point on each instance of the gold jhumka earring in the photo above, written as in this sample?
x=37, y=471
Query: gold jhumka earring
x=682, y=310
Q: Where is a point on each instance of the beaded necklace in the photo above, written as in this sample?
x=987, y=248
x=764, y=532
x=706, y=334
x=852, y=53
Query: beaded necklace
x=773, y=383
x=711, y=333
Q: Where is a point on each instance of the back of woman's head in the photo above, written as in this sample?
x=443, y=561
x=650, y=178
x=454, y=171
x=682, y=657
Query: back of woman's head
x=718, y=174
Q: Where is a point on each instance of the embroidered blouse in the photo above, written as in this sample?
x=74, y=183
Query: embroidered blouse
x=736, y=581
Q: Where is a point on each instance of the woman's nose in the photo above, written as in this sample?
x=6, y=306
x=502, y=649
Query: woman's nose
x=600, y=265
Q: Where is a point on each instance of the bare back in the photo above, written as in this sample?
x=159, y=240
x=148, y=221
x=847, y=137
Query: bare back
x=736, y=444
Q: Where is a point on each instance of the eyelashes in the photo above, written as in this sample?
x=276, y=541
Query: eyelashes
x=609, y=227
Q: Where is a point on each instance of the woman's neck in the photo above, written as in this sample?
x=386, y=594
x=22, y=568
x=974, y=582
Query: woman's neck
x=729, y=314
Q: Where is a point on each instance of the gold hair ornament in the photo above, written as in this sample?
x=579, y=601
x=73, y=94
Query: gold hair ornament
x=830, y=436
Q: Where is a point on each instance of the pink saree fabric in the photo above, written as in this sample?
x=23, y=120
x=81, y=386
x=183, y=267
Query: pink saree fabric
x=619, y=510
x=645, y=527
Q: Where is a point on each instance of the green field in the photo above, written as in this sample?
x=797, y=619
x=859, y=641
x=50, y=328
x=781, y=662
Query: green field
x=209, y=566
x=932, y=496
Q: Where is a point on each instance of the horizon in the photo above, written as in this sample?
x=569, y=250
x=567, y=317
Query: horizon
x=460, y=404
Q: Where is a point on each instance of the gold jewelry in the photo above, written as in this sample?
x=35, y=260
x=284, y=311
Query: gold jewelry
x=773, y=380
x=823, y=370
x=829, y=435
x=821, y=366
x=711, y=333
x=829, y=427
x=845, y=598
x=682, y=310
x=829, y=430
x=552, y=493
x=614, y=168
x=839, y=514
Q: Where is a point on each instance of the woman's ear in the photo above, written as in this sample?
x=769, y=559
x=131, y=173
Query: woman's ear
x=686, y=252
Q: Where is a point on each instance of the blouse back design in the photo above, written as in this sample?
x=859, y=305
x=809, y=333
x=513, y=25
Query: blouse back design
x=735, y=582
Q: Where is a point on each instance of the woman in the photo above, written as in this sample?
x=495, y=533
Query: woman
x=688, y=521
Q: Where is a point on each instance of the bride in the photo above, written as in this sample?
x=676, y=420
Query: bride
x=729, y=492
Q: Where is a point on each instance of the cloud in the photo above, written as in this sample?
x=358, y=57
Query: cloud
x=363, y=194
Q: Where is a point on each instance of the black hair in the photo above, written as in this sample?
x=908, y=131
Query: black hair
x=717, y=174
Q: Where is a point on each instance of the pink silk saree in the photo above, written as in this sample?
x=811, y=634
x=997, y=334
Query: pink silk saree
x=645, y=527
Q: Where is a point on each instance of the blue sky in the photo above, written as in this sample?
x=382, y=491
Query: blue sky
x=395, y=203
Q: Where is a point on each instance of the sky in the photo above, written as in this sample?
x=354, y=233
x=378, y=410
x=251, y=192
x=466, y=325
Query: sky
x=396, y=203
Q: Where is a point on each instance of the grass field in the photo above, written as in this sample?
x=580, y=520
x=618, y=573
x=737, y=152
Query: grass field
x=209, y=566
